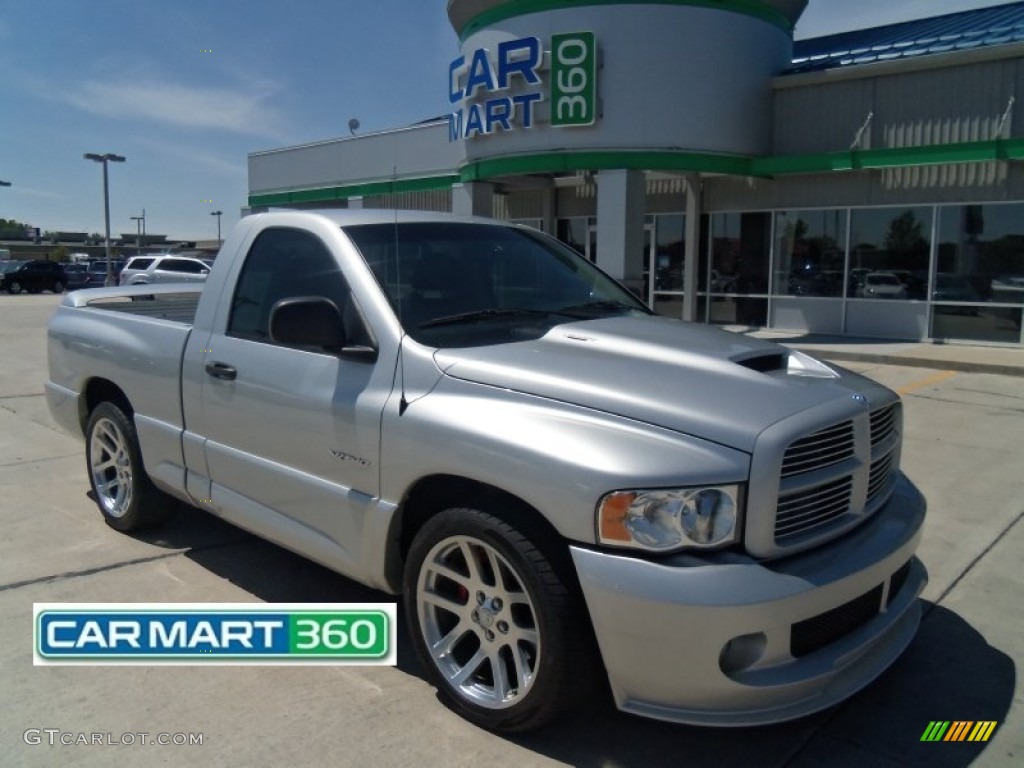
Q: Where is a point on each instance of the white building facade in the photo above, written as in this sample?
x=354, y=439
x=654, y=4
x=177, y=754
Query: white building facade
x=866, y=184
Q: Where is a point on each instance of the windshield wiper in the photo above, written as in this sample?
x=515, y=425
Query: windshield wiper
x=483, y=314
x=594, y=308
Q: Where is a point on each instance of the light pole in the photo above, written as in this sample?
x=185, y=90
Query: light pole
x=140, y=229
x=218, y=214
x=107, y=158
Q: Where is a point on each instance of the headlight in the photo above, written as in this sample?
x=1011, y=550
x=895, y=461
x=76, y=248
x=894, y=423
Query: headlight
x=665, y=520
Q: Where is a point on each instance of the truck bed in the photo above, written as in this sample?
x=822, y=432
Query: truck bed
x=180, y=309
x=177, y=303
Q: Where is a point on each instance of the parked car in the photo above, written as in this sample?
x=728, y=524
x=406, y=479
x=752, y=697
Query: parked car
x=33, y=276
x=77, y=274
x=952, y=287
x=882, y=285
x=97, y=274
x=166, y=268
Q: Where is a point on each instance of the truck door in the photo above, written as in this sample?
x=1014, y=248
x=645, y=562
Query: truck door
x=292, y=435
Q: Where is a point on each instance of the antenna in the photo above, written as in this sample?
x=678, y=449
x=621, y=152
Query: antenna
x=353, y=125
x=402, y=402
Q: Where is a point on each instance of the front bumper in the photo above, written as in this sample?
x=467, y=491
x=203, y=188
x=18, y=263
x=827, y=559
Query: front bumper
x=710, y=640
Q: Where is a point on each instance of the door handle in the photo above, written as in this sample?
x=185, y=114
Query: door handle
x=222, y=371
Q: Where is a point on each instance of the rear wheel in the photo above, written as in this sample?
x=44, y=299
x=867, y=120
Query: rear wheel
x=496, y=627
x=14, y=287
x=58, y=286
x=123, y=491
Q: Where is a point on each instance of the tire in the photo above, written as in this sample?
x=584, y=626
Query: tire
x=58, y=286
x=14, y=287
x=126, y=496
x=513, y=634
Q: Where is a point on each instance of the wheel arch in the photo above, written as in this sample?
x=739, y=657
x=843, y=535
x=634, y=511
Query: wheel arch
x=436, y=493
x=99, y=390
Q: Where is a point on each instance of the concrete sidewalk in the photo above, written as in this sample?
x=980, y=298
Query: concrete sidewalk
x=971, y=358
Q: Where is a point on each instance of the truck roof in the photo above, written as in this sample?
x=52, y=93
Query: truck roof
x=353, y=216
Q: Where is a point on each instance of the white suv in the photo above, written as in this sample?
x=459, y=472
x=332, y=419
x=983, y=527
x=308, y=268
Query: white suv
x=166, y=268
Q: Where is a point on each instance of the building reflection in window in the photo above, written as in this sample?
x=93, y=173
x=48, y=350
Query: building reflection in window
x=979, y=266
x=810, y=252
x=738, y=281
x=889, y=252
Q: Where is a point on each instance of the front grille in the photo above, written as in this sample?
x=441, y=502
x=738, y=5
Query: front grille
x=883, y=424
x=878, y=477
x=805, y=510
x=812, y=634
x=823, y=448
x=897, y=581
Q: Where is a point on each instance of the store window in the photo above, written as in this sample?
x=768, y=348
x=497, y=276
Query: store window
x=810, y=252
x=667, y=252
x=738, y=279
x=889, y=253
x=579, y=233
x=979, y=265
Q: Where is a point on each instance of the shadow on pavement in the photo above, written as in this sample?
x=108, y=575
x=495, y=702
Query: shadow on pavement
x=949, y=672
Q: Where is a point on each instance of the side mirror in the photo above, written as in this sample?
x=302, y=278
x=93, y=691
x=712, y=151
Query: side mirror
x=313, y=321
x=307, y=321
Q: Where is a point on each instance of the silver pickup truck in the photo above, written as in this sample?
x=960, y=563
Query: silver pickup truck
x=559, y=482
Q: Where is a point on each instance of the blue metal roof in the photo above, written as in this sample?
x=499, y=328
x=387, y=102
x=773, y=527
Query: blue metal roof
x=979, y=28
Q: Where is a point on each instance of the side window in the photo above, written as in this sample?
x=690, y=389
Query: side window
x=139, y=263
x=180, y=265
x=283, y=263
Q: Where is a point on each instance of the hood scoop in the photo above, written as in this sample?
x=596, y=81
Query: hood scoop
x=765, y=362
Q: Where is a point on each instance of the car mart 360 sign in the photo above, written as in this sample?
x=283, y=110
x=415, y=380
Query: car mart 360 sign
x=500, y=94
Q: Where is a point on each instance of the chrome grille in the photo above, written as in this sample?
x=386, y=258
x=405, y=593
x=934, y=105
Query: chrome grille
x=878, y=477
x=883, y=424
x=823, y=448
x=805, y=510
x=830, y=478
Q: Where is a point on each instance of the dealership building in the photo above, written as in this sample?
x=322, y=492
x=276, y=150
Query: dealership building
x=869, y=183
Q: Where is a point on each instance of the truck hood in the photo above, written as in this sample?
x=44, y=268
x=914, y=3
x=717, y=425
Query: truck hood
x=700, y=381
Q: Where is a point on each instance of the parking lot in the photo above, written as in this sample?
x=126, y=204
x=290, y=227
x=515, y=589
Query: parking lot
x=964, y=447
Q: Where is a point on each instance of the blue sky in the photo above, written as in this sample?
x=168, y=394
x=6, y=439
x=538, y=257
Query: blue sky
x=185, y=89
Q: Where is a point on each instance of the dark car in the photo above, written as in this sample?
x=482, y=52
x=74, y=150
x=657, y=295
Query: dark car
x=97, y=275
x=77, y=274
x=33, y=276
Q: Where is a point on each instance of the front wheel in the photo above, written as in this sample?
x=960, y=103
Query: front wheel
x=14, y=287
x=58, y=287
x=123, y=491
x=495, y=626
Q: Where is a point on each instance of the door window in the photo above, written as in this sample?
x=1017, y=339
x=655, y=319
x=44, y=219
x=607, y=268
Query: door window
x=285, y=263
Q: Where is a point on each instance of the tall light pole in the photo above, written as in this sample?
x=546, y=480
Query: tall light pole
x=218, y=214
x=140, y=228
x=107, y=158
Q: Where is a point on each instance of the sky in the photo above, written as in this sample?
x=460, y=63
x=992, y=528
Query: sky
x=186, y=89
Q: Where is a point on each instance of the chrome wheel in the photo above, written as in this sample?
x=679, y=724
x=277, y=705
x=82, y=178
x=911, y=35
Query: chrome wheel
x=478, y=621
x=111, y=468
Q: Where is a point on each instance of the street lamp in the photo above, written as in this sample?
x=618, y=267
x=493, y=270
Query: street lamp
x=107, y=158
x=140, y=229
x=218, y=214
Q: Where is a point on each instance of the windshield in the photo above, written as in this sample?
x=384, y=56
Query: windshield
x=472, y=284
